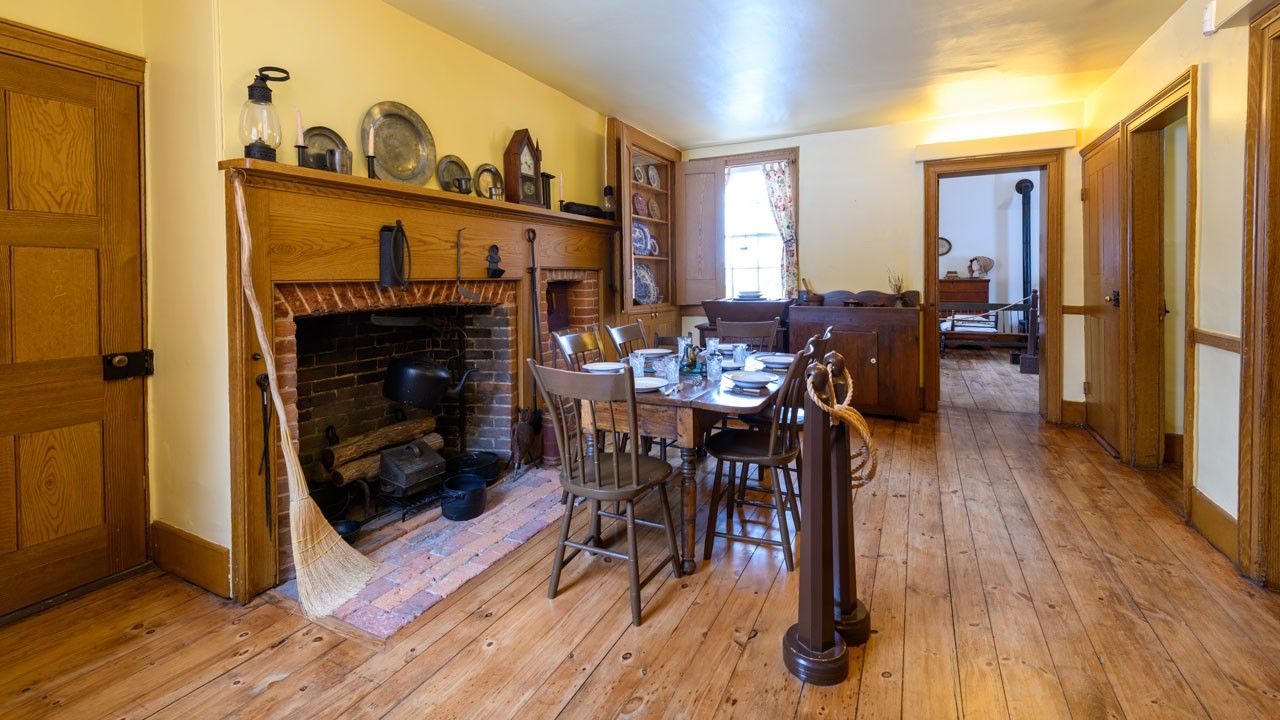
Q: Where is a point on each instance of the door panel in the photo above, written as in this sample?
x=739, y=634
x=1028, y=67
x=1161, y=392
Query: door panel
x=861, y=352
x=72, y=484
x=1104, y=274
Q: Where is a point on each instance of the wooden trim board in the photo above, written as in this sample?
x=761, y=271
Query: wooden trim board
x=47, y=47
x=1213, y=338
x=1072, y=309
x=1173, y=448
x=191, y=558
x=1072, y=412
x=1050, y=163
x=1218, y=527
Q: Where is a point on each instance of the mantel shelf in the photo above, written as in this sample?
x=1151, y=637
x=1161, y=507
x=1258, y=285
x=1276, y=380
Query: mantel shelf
x=385, y=188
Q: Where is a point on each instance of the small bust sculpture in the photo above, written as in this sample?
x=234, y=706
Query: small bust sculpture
x=495, y=269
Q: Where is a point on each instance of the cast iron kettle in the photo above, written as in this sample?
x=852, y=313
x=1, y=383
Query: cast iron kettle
x=421, y=383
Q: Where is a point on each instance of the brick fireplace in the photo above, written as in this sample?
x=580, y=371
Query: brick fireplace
x=579, y=290
x=331, y=356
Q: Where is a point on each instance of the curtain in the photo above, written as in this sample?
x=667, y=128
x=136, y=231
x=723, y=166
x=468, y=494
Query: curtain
x=782, y=198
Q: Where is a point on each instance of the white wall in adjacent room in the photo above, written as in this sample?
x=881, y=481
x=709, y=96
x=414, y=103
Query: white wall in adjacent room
x=982, y=216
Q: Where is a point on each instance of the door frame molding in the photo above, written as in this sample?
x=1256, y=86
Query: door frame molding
x=1258, y=509
x=1177, y=99
x=1051, y=163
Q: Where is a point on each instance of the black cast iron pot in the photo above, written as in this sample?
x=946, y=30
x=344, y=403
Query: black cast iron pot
x=475, y=462
x=463, y=497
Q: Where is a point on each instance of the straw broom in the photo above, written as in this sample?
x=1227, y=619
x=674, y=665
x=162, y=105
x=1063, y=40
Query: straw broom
x=330, y=572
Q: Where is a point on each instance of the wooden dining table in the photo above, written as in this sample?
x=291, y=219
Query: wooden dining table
x=684, y=414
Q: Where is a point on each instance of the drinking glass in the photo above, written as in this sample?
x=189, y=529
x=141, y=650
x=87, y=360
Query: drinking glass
x=713, y=368
x=637, y=364
x=669, y=368
x=740, y=353
x=713, y=346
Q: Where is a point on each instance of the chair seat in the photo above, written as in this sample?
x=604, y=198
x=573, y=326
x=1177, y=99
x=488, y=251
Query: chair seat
x=653, y=472
x=746, y=446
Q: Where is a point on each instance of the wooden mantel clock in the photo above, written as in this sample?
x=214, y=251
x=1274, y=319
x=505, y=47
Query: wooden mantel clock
x=522, y=169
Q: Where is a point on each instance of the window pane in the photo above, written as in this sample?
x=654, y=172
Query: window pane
x=753, y=247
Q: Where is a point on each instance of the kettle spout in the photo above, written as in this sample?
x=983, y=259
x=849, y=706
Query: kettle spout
x=454, y=393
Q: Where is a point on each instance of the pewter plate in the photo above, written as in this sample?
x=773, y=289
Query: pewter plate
x=402, y=143
x=487, y=176
x=320, y=140
x=450, y=167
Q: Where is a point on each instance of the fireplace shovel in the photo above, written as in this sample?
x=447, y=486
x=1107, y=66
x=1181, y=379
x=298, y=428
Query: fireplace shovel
x=461, y=290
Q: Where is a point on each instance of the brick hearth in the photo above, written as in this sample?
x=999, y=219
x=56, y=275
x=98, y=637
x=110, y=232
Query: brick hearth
x=491, y=352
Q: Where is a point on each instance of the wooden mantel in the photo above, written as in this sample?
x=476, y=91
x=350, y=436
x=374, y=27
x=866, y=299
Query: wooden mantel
x=311, y=226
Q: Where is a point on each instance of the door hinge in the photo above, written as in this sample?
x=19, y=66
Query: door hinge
x=118, y=366
x=1085, y=387
x=1082, y=194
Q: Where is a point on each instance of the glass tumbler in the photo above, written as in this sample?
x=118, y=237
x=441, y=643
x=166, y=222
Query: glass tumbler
x=637, y=364
x=713, y=368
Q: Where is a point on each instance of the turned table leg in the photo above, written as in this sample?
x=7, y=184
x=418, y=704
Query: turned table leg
x=688, y=507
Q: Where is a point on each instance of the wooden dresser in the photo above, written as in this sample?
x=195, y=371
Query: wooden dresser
x=881, y=346
x=964, y=290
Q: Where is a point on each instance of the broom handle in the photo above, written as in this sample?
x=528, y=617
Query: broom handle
x=293, y=469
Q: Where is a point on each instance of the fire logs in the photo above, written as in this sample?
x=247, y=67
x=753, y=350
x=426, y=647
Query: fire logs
x=366, y=468
x=371, y=442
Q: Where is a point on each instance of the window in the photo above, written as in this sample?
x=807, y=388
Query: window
x=753, y=252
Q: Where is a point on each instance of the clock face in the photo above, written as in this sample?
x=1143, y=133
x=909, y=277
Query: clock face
x=528, y=188
x=526, y=161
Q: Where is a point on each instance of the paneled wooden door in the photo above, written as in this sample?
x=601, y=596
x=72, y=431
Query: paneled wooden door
x=72, y=479
x=1104, y=304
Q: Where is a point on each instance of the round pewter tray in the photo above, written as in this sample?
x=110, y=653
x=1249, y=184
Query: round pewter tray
x=403, y=147
x=449, y=168
x=487, y=176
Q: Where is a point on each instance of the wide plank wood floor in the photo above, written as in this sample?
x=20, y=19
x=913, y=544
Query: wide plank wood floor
x=985, y=380
x=1012, y=570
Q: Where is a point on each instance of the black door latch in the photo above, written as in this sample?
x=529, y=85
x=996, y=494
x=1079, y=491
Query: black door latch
x=119, y=366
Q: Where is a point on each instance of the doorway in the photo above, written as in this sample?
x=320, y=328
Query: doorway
x=989, y=228
x=1139, y=256
x=958, y=316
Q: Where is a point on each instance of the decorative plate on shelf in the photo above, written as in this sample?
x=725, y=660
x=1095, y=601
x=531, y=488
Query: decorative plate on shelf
x=653, y=208
x=403, y=147
x=320, y=140
x=637, y=173
x=644, y=284
x=654, y=180
x=486, y=177
x=452, y=168
x=653, y=245
x=944, y=246
x=641, y=240
x=638, y=202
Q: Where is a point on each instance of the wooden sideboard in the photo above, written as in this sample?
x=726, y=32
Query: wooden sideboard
x=964, y=290
x=881, y=347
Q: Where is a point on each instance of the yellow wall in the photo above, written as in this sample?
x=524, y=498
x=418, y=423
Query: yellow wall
x=188, y=428
x=471, y=102
x=116, y=24
x=1223, y=61
x=862, y=204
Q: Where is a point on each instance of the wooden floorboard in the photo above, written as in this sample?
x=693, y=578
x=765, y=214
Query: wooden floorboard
x=986, y=380
x=1012, y=569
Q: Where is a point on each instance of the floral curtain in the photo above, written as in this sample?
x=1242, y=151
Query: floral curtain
x=781, y=186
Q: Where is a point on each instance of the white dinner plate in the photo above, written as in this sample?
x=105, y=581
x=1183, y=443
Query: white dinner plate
x=730, y=365
x=604, y=368
x=649, y=384
x=653, y=352
x=776, y=360
x=750, y=379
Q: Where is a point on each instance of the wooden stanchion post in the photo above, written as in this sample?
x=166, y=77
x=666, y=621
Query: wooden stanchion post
x=811, y=649
x=851, y=618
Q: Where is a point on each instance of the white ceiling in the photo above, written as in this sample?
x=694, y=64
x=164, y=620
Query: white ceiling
x=702, y=72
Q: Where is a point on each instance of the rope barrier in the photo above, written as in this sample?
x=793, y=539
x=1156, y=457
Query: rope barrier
x=865, y=460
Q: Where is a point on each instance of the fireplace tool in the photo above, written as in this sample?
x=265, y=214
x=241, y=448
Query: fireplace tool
x=530, y=422
x=461, y=290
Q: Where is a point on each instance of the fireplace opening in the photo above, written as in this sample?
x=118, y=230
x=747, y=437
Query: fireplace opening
x=558, y=304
